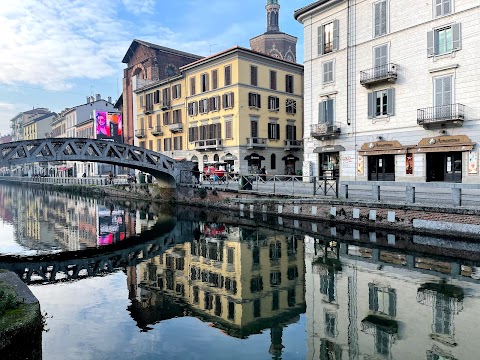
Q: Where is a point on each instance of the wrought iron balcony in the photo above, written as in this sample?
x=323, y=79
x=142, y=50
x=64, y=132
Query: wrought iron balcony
x=293, y=145
x=256, y=143
x=209, y=144
x=148, y=109
x=441, y=115
x=324, y=131
x=157, y=130
x=178, y=127
x=387, y=72
x=165, y=105
x=140, y=133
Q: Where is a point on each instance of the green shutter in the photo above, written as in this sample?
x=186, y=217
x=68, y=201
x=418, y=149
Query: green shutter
x=391, y=102
x=430, y=43
x=321, y=112
x=371, y=105
x=456, y=37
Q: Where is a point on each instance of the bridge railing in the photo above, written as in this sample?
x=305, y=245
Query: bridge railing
x=66, y=180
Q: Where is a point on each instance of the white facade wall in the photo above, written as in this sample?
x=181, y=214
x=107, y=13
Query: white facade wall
x=408, y=24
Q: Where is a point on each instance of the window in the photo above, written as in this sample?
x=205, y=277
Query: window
x=273, y=80
x=442, y=7
x=328, y=72
x=167, y=144
x=275, y=278
x=150, y=122
x=208, y=301
x=193, y=108
x=273, y=131
x=444, y=40
x=291, y=132
x=214, y=103
x=273, y=103
x=203, y=106
x=156, y=97
x=159, y=145
x=330, y=324
x=230, y=255
x=214, y=79
x=195, y=295
x=254, y=100
x=256, y=308
x=328, y=38
x=158, y=123
x=291, y=106
x=192, y=134
x=273, y=161
x=380, y=60
x=177, y=116
x=228, y=75
x=326, y=112
x=228, y=130
x=291, y=297
x=382, y=300
x=166, y=96
x=228, y=100
x=327, y=285
x=142, y=144
x=256, y=284
x=204, y=82
x=253, y=75
x=381, y=103
x=177, y=143
x=275, y=300
x=150, y=144
x=275, y=250
x=192, y=86
x=289, y=84
x=149, y=102
x=380, y=18
x=231, y=310
x=177, y=91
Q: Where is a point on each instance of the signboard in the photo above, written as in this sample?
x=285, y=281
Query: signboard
x=409, y=164
x=473, y=162
x=108, y=126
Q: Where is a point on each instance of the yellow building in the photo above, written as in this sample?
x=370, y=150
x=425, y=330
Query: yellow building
x=238, y=106
x=244, y=280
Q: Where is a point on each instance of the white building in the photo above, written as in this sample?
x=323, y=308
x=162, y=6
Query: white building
x=390, y=89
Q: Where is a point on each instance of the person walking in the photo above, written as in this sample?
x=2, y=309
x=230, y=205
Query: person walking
x=196, y=174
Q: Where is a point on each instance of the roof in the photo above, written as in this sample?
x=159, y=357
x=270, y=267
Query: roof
x=136, y=42
x=119, y=102
x=234, y=50
x=301, y=11
x=43, y=117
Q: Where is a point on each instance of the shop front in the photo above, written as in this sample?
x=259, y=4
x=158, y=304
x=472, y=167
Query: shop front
x=381, y=159
x=229, y=159
x=254, y=163
x=444, y=157
x=290, y=161
x=329, y=161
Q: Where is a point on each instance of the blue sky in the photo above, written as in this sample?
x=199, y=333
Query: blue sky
x=56, y=53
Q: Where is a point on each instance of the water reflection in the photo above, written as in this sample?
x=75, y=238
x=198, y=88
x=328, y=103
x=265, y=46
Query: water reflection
x=241, y=280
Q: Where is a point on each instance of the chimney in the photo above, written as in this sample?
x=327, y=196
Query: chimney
x=98, y=97
x=88, y=99
x=109, y=99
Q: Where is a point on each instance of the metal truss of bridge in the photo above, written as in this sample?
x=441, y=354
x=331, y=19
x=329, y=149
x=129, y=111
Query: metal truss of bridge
x=166, y=170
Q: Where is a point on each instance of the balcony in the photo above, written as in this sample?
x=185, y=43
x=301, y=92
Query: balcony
x=148, y=109
x=325, y=131
x=157, y=130
x=256, y=143
x=453, y=114
x=165, y=105
x=379, y=74
x=210, y=144
x=178, y=127
x=140, y=133
x=293, y=145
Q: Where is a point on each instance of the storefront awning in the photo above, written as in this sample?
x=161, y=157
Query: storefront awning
x=290, y=158
x=254, y=156
x=383, y=148
x=444, y=144
x=229, y=157
x=329, y=149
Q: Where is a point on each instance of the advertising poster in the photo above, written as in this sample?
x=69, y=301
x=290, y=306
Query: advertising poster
x=108, y=126
x=111, y=226
x=360, y=165
x=409, y=164
x=473, y=162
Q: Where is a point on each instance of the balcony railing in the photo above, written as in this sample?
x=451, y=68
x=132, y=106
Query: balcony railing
x=441, y=115
x=140, y=133
x=324, y=131
x=387, y=72
x=214, y=144
x=157, y=130
x=177, y=127
x=293, y=145
x=165, y=105
x=256, y=143
x=148, y=109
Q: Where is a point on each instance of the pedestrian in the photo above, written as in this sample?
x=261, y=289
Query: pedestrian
x=196, y=174
x=110, y=177
x=263, y=171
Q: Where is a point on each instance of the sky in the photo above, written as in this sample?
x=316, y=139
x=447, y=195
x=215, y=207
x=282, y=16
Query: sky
x=55, y=53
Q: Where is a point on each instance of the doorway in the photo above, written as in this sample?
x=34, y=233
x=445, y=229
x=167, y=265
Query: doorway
x=381, y=167
x=446, y=167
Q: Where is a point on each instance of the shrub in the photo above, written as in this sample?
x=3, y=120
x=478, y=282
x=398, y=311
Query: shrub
x=202, y=192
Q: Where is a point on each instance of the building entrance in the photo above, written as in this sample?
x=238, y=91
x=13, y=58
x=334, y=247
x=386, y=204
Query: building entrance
x=381, y=167
x=445, y=167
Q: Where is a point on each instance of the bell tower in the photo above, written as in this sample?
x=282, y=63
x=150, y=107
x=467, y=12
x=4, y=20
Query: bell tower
x=274, y=42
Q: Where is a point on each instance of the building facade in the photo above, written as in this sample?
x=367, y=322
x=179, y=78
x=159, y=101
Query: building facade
x=390, y=96
x=239, y=106
x=17, y=122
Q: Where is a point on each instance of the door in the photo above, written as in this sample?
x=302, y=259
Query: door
x=444, y=167
x=381, y=60
x=453, y=167
x=443, y=98
x=254, y=131
x=381, y=168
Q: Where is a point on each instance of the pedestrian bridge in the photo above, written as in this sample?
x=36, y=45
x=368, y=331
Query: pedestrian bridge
x=166, y=170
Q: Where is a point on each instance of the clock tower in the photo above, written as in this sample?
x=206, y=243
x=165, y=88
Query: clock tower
x=274, y=42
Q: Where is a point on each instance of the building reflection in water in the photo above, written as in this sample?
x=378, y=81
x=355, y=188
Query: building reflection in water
x=242, y=280
x=365, y=303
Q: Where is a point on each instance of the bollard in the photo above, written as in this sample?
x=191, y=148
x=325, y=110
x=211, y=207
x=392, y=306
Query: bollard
x=457, y=196
x=344, y=191
x=410, y=194
x=376, y=192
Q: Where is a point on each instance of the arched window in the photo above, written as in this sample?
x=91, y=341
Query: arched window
x=273, y=162
x=215, y=157
x=205, y=159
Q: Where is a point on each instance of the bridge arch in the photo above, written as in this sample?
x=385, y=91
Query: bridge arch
x=167, y=171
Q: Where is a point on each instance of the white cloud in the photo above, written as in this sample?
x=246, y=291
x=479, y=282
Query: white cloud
x=138, y=7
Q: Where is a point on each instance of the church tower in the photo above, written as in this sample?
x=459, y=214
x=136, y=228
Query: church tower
x=274, y=42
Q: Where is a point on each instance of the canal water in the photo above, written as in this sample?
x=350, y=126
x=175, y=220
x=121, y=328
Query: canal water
x=126, y=280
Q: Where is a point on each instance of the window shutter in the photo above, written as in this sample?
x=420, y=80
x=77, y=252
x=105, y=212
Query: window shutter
x=383, y=15
x=438, y=7
x=376, y=19
x=325, y=70
x=447, y=90
x=270, y=131
x=278, y=131
x=320, y=40
x=392, y=302
x=232, y=97
x=141, y=100
x=430, y=43
x=371, y=105
x=456, y=37
x=329, y=117
x=277, y=104
x=259, y=99
x=219, y=131
x=190, y=134
x=447, y=7
x=391, y=101
x=335, y=35
x=371, y=296
x=321, y=112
